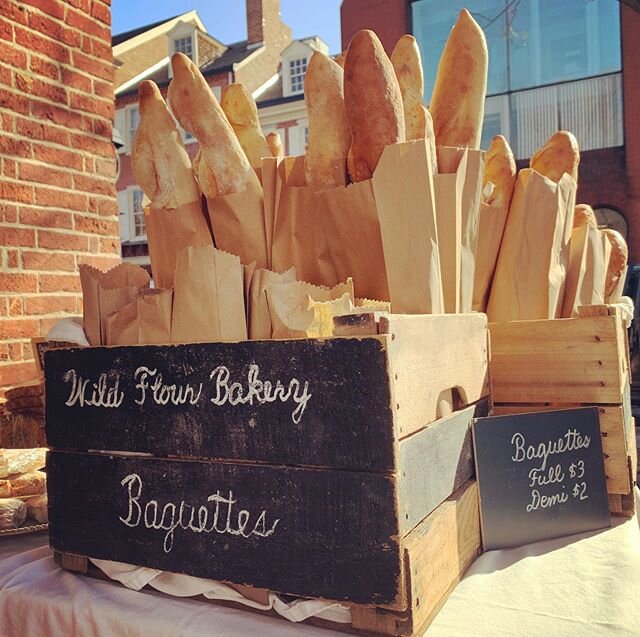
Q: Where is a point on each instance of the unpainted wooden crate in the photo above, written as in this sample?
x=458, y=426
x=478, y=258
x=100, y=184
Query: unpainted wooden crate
x=552, y=364
x=363, y=494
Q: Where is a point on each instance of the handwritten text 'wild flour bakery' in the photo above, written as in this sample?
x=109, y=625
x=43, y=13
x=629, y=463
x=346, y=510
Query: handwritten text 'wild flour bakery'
x=150, y=386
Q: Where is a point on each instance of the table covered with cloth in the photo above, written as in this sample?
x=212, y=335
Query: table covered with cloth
x=580, y=586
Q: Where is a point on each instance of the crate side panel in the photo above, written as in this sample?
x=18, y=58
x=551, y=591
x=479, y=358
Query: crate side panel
x=306, y=532
x=300, y=402
x=430, y=355
x=433, y=464
x=562, y=360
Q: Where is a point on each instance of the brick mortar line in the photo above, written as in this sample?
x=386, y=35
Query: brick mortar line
x=66, y=169
x=11, y=180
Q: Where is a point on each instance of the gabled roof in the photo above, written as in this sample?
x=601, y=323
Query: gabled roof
x=235, y=53
x=127, y=35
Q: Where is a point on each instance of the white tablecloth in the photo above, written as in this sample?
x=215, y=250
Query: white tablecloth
x=582, y=586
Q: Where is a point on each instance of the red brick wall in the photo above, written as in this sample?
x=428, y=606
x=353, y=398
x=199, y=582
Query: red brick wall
x=57, y=195
x=631, y=92
x=388, y=18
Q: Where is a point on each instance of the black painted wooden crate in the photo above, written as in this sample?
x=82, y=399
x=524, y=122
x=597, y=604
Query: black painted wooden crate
x=309, y=487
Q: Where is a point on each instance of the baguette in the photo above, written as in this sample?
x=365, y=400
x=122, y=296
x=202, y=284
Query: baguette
x=328, y=129
x=275, y=145
x=223, y=167
x=617, y=261
x=159, y=160
x=38, y=508
x=241, y=111
x=583, y=215
x=559, y=155
x=373, y=103
x=500, y=170
x=457, y=103
x=13, y=513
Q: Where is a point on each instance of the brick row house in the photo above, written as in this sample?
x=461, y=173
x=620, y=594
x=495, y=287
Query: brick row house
x=269, y=63
x=571, y=65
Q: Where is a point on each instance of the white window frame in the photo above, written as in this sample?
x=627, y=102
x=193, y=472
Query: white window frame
x=127, y=114
x=179, y=32
x=290, y=67
x=187, y=39
x=499, y=105
x=133, y=237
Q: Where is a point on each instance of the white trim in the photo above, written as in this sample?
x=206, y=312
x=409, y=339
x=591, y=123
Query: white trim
x=134, y=81
x=165, y=27
x=133, y=237
x=268, y=84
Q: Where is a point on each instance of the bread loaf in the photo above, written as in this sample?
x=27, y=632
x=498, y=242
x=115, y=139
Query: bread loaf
x=223, y=168
x=617, y=261
x=38, y=508
x=159, y=160
x=329, y=137
x=275, y=145
x=499, y=170
x=241, y=111
x=32, y=483
x=457, y=103
x=13, y=513
x=583, y=215
x=408, y=67
x=559, y=155
x=373, y=103
x=340, y=58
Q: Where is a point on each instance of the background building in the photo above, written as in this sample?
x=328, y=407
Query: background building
x=571, y=65
x=269, y=63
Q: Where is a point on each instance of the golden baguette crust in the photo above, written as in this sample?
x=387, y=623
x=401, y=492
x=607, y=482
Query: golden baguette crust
x=408, y=67
x=617, y=261
x=275, y=145
x=373, y=102
x=223, y=167
x=329, y=136
x=583, y=215
x=340, y=58
x=241, y=111
x=457, y=103
x=500, y=170
x=559, y=155
x=159, y=160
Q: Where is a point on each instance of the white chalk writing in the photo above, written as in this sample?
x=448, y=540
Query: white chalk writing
x=219, y=516
x=163, y=393
x=571, y=441
x=258, y=391
x=86, y=393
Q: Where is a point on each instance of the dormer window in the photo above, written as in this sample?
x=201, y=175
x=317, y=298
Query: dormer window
x=297, y=71
x=184, y=45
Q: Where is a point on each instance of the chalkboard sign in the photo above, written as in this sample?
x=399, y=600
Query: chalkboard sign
x=298, y=402
x=307, y=532
x=540, y=476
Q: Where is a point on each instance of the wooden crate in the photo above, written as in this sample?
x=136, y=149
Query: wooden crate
x=553, y=364
x=334, y=487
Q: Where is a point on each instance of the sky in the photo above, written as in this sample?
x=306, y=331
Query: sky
x=226, y=19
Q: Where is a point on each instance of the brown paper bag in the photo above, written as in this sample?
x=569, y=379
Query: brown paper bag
x=490, y=231
x=589, y=251
x=370, y=305
x=168, y=232
x=259, y=320
x=238, y=223
x=531, y=270
x=90, y=283
x=118, y=287
x=269, y=179
x=208, y=299
x=448, y=196
x=616, y=295
x=404, y=195
x=471, y=164
x=300, y=237
x=144, y=321
x=310, y=319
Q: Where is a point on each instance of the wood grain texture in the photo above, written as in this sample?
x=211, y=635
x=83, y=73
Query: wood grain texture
x=336, y=534
x=578, y=360
x=429, y=355
x=434, y=463
x=346, y=423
